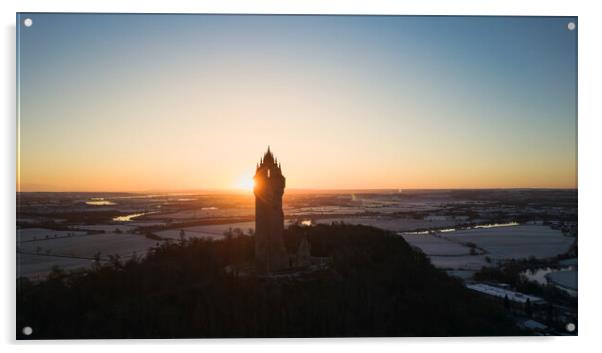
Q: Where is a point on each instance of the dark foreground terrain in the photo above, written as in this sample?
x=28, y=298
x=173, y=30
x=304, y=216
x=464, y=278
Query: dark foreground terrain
x=376, y=285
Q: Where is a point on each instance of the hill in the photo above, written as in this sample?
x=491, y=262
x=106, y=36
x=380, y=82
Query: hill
x=377, y=285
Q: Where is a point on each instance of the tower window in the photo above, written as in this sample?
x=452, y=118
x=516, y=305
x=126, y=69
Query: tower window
x=268, y=173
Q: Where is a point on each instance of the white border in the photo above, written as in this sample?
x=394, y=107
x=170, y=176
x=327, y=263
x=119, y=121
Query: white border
x=589, y=167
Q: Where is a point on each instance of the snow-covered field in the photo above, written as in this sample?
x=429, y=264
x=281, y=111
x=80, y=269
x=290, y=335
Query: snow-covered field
x=38, y=266
x=214, y=231
x=327, y=210
x=87, y=246
x=206, y=212
x=109, y=228
x=502, y=243
x=29, y=234
x=393, y=224
x=467, y=262
x=445, y=250
x=516, y=242
x=433, y=245
x=566, y=279
x=37, y=257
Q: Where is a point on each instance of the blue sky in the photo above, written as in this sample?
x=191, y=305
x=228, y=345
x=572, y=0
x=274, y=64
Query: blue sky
x=124, y=102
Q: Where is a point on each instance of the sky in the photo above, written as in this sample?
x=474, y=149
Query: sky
x=116, y=102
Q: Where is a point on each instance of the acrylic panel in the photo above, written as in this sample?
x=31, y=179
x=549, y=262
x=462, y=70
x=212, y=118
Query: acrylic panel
x=260, y=176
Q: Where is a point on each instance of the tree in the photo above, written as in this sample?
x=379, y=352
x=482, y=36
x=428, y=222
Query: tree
x=56, y=273
x=115, y=261
x=229, y=233
x=528, y=309
x=550, y=315
x=238, y=232
x=506, y=302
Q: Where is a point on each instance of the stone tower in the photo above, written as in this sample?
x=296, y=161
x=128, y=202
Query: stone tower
x=270, y=253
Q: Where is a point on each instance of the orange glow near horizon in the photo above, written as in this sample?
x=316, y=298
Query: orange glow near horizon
x=418, y=175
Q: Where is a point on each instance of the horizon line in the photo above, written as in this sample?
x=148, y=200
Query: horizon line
x=240, y=190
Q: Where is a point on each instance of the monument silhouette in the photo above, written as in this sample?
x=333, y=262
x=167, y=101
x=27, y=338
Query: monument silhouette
x=270, y=253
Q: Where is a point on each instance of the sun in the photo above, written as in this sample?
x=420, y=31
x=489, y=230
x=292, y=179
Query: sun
x=245, y=183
